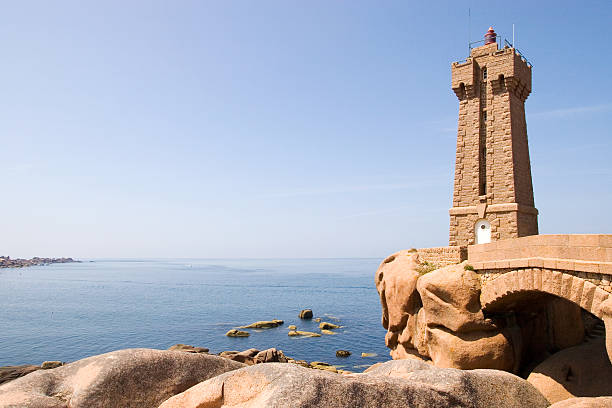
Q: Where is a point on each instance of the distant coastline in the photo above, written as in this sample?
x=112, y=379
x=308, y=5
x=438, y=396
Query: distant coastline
x=7, y=262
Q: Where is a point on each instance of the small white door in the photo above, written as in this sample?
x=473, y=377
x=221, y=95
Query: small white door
x=482, y=232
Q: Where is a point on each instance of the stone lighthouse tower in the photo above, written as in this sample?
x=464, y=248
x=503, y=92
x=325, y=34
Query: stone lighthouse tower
x=493, y=193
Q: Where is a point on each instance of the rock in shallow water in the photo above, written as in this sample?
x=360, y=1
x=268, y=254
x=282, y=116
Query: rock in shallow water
x=264, y=324
x=120, y=379
x=305, y=314
x=328, y=326
x=245, y=356
x=254, y=356
x=188, y=349
x=294, y=333
x=319, y=365
x=237, y=333
x=270, y=355
x=392, y=384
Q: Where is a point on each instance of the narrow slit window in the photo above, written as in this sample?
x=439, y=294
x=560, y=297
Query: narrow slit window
x=484, y=74
x=484, y=116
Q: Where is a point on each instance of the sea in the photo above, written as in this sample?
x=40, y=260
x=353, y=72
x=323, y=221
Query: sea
x=71, y=311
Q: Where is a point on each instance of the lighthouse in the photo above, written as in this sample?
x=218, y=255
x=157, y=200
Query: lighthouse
x=493, y=191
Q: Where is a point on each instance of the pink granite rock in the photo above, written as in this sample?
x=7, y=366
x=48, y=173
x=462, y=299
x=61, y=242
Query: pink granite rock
x=392, y=384
x=121, y=379
x=580, y=371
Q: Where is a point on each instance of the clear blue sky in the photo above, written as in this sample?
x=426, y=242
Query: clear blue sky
x=278, y=128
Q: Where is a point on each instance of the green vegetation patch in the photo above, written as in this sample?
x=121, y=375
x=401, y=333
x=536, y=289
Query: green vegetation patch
x=426, y=267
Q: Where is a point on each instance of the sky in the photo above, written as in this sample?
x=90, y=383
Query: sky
x=278, y=129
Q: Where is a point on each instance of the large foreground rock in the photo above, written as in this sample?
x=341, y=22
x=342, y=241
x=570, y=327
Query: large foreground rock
x=398, y=368
x=405, y=383
x=490, y=349
x=396, y=280
x=121, y=379
x=451, y=298
x=580, y=371
x=438, y=316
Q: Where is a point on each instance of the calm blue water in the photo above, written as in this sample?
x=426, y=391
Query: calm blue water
x=70, y=311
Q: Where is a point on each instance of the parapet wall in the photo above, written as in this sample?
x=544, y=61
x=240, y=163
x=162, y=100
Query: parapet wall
x=443, y=256
x=589, y=253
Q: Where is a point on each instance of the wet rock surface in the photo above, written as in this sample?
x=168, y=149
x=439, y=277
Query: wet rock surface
x=237, y=333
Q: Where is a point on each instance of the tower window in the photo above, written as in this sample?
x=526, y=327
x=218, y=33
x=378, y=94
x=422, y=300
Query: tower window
x=484, y=73
x=484, y=116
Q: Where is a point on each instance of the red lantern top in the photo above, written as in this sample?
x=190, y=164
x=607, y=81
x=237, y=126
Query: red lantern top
x=490, y=37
